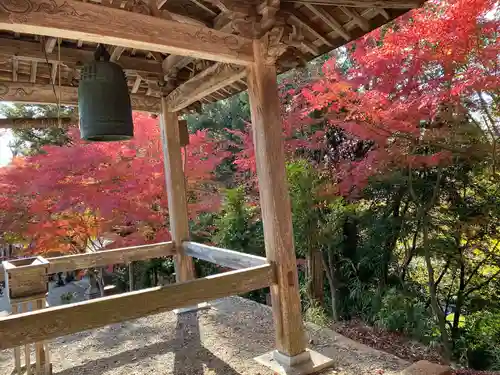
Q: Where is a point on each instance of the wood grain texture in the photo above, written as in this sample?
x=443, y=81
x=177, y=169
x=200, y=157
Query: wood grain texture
x=176, y=192
x=275, y=202
x=36, y=123
x=20, y=92
x=208, y=81
x=71, y=57
x=46, y=324
x=106, y=257
x=222, y=257
x=77, y=20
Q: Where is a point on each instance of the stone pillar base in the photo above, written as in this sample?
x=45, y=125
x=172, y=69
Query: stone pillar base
x=304, y=363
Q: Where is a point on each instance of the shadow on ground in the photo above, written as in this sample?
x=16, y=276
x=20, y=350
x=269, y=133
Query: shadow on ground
x=190, y=356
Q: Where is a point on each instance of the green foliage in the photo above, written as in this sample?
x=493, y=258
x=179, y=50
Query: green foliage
x=31, y=141
x=407, y=314
x=482, y=340
x=239, y=226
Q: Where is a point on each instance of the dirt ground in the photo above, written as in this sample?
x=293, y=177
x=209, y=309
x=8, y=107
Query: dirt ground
x=222, y=340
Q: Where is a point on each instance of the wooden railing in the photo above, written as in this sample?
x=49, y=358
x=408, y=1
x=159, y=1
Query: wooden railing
x=106, y=257
x=252, y=273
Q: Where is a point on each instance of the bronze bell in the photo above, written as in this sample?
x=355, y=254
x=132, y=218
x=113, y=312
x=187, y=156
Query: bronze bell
x=103, y=101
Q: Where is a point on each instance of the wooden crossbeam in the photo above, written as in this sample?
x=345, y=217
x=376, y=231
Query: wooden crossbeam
x=20, y=92
x=64, y=320
x=394, y=4
x=106, y=257
x=329, y=20
x=208, y=81
x=70, y=57
x=33, y=123
x=223, y=257
x=95, y=23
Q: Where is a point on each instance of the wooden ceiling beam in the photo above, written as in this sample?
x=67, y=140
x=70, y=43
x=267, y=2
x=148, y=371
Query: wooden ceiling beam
x=394, y=4
x=298, y=21
x=33, y=123
x=205, y=83
x=173, y=63
x=329, y=20
x=20, y=92
x=72, y=19
x=361, y=22
x=70, y=57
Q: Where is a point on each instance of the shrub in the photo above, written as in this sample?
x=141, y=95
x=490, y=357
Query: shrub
x=404, y=313
x=482, y=340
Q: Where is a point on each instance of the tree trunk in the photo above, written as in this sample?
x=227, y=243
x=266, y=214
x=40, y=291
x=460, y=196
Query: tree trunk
x=315, y=276
x=330, y=275
x=455, y=332
x=438, y=312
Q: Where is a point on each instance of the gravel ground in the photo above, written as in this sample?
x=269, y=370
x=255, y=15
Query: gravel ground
x=221, y=340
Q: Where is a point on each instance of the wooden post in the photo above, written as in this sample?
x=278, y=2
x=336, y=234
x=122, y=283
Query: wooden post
x=291, y=354
x=131, y=276
x=26, y=283
x=176, y=191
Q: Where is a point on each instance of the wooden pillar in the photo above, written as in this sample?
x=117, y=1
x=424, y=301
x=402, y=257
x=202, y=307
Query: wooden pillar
x=176, y=191
x=291, y=355
x=275, y=202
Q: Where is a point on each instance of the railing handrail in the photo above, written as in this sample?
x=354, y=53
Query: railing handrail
x=52, y=322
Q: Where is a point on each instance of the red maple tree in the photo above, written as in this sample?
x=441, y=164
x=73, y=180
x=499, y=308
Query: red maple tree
x=89, y=194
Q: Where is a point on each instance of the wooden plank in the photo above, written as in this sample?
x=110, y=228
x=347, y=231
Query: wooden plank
x=173, y=63
x=137, y=84
x=63, y=320
x=206, y=9
x=355, y=16
x=275, y=202
x=34, y=66
x=222, y=257
x=299, y=21
x=34, y=123
x=208, y=81
x=329, y=20
x=71, y=57
x=394, y=4
x=50, y=43
x=15, y=66
x=116, y=53
x=176, y=192
x=72, y=19
x=106, y=257
x=20, y=92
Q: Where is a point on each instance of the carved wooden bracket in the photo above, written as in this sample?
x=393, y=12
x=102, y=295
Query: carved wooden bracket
x=273, y=43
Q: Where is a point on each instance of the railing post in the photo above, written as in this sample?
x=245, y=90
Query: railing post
x=291, y=355
x=176, y=191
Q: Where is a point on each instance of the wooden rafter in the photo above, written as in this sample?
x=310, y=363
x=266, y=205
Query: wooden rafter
x=206, y=9
x=33, y=123
x=44, y=94
x=70, y=57
x=34, y=66
x=362, y=22
x=300, y=22
x=76, y=20
x=395, y=4
x=329, y=20
x=207, y=82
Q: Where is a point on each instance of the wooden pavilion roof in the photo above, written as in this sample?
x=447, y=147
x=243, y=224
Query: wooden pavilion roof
x=307, y=28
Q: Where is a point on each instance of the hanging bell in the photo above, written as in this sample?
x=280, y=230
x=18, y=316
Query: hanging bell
x=103, y=101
